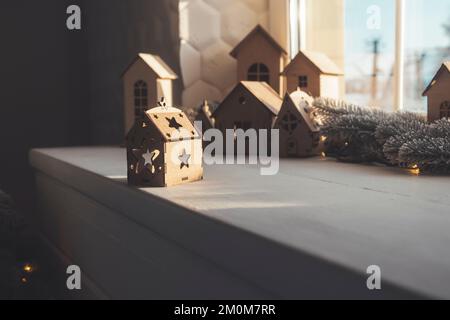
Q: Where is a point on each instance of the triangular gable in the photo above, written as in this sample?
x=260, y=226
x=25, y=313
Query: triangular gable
x=156, y=64
x=321, y=61
x=445, y=67
x=257, y=30
x=302, y=101
x=172, y=123
x=264, y=93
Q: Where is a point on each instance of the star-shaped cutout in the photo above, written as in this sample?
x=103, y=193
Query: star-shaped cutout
x=184, y=158
x=173, y=123
x=145, y=159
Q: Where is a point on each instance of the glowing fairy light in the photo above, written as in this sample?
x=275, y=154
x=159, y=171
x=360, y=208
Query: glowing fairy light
x=28, y=268
x=415, y=170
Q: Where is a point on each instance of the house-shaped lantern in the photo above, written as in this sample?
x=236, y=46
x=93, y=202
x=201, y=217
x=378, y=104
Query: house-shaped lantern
x=438, y=94
x=314, y=73
x=163, y=149
x=250, y=105
x=299, y=132
x=260, y=58
x=145, y=81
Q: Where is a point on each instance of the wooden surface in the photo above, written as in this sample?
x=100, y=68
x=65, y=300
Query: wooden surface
x=309, y=231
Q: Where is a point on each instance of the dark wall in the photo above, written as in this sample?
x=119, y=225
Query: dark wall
x=117, y=31
x=63, y=88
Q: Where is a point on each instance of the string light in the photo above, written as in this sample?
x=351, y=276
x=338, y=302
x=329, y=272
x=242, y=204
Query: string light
x=23, y=280
x=323, y=138
x=28, y=268
x=415, y=170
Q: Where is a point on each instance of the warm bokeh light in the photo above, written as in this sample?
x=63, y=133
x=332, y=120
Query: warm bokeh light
x=28, y=268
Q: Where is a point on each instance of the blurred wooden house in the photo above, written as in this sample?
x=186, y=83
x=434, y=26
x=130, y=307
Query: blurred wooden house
x=299, y=132
x=250, y=105
x=314, y=73
x=438, y=94
x=146, y=80
x=260, y=58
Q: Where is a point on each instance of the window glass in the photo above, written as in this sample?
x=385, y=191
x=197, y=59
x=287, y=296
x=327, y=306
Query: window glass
x=263, y=68
x=140, y=98
x=445, y=110
x=427, y=45
x=253, y=68
x=370, y=52
x=258, y=72
x=303, y=81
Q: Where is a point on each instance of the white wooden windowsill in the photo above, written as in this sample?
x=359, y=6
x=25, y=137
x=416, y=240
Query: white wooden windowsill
x=308, y=232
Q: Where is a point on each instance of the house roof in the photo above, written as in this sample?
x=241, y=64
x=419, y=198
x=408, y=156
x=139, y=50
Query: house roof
x=320, y=60
x=155, y=63
x=257, y=30
x=264, y=93
x=172, y=123
x=261, y=91
x=445, y=67
x=303, y=103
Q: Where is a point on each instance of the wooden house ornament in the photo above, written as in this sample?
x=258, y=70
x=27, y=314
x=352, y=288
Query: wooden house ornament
x=299, y=132
x=438, y=94
x=314, y=73
x=260, y=58
x=145, y=81
x=250, y=105
x=163, y=149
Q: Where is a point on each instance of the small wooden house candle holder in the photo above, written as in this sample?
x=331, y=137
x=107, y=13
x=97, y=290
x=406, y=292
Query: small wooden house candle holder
x=438, y=94
x=299, y=132
x=163, y=149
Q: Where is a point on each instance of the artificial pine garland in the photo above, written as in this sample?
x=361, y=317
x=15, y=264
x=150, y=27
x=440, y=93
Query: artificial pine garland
x=405, y=139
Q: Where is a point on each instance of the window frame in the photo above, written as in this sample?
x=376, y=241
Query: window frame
x=298, y=33
x=444, y=110
x=303, y=81
x=140, y=97
x=258, y=72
